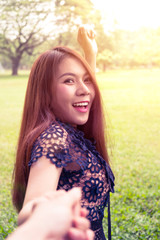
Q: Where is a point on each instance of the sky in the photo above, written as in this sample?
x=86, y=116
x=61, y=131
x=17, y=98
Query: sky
x=129, y=14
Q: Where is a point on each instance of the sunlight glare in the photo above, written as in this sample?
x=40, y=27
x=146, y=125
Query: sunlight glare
x=129, y=14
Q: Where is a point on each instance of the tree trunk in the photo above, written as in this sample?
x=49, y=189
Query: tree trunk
x=15, y=65
x=104, y=67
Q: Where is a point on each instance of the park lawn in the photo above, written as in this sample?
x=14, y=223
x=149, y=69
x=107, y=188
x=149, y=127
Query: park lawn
x=132, y=107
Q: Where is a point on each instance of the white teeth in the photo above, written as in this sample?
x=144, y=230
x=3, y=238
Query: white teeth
x=84, y=104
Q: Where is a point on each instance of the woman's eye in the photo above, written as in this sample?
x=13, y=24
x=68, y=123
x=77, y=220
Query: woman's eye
x=88, y=80
x=69, y=80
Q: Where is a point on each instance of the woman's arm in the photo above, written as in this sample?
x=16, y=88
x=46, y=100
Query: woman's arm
x=43, y=177
x=86, y=38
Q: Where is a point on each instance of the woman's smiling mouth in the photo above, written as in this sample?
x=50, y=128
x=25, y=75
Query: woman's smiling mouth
x=81, y=106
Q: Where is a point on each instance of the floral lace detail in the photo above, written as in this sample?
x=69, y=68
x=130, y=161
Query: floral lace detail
x=93, y=165
x=82, y=166
x=93, y=189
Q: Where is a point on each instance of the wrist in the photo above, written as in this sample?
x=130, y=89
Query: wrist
x=91, y=61
x=90, y=53
x=27, y=231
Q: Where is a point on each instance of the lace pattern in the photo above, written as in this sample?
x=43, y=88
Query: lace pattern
x=82, y=165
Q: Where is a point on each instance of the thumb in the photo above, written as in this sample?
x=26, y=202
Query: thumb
x=73, y=196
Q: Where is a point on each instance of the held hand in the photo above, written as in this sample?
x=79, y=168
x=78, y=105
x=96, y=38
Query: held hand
x=27, y=210
x=80, y=229
x=61, y=210
x=86, y=38
x=71, y=222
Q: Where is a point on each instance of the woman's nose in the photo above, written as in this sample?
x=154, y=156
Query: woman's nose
x=82, y=89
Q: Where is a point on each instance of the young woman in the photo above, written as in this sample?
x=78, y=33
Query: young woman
x=62, y=143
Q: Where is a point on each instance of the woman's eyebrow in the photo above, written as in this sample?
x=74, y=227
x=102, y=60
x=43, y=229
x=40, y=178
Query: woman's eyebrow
x=72, y=74
x=67, y=74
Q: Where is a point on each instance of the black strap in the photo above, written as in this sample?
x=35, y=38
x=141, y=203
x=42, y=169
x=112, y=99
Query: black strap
x=109, y=218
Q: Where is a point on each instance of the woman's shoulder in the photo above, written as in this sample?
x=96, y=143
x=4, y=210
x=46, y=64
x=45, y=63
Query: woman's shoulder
x=53, y=140
x=54, y=131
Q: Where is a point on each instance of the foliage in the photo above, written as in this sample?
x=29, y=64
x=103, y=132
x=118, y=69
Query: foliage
x=139, y=48
x=71, y=13
x=132, y=101
x=22, y=28
x=105, y=59
x=25, y=32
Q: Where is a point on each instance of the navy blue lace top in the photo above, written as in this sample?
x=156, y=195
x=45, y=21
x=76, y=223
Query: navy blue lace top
x=82, y=166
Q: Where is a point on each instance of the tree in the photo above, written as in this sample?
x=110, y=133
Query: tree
x=105, y=59
x=69, y=15
x=22, y=28
x=24, y=21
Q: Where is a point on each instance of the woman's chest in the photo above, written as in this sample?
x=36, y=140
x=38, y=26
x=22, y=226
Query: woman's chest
x=92, y=179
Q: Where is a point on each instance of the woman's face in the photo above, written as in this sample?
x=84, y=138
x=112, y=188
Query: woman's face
x=74, y=92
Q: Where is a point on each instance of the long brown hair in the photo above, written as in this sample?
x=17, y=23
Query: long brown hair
x=38, y=114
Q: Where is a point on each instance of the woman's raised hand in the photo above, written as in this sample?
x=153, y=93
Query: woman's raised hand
x=86, y=39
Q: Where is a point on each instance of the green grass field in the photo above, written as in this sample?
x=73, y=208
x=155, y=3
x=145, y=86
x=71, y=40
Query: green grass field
x=132, y=103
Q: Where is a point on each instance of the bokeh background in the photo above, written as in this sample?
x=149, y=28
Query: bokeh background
x=128, y=73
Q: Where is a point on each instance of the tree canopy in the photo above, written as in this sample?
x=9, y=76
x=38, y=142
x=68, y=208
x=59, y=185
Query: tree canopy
x=22, y=28
x=27, y=25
